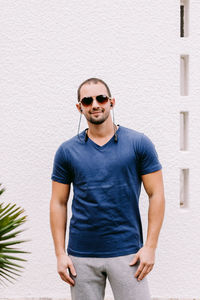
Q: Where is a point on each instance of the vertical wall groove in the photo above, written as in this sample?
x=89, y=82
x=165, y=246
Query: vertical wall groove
x=184, y=69
x=183, y=130
x=184, y=18
x=184, y=178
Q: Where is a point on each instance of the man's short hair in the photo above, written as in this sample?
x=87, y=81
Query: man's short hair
x=93, y=80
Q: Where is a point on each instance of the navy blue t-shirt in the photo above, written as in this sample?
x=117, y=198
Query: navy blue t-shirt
x=106, y=181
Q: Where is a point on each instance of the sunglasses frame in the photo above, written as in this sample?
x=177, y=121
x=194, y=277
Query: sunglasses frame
x=85, y=105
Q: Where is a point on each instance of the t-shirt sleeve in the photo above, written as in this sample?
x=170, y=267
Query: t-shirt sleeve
x=148, y=156
x=62, y=171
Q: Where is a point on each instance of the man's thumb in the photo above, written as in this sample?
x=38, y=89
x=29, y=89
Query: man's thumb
x=72, y=270
x=134, y=260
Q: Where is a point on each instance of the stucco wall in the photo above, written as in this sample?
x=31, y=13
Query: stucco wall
x=47, y=49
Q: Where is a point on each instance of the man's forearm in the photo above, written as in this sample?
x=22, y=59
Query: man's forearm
x=155, y=219
x=58, y=221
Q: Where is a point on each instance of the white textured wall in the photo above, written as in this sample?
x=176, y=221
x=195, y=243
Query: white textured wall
x=47, y=49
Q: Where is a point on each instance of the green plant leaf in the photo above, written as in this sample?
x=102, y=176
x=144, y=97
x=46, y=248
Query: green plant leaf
x=10, y=218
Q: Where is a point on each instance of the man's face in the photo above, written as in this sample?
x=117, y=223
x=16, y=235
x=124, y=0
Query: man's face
x=96, y=113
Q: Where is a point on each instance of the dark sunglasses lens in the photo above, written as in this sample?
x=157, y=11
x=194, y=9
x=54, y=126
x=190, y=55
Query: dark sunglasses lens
x=86, y=101
x=102, y=98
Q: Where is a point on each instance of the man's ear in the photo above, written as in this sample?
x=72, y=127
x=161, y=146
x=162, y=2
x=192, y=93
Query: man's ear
x=112, y=102
x=79, y=107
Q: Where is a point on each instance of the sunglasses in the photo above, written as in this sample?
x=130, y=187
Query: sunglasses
x=102, y=99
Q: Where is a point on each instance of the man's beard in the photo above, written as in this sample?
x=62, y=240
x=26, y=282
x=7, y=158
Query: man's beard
x=99, y=120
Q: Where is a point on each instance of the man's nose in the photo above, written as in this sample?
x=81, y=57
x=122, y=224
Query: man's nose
x=95, y=103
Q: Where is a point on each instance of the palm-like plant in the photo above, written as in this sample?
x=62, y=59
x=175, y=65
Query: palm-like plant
x=9, y=220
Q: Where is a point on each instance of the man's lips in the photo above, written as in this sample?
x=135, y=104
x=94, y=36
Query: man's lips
x=96, y=112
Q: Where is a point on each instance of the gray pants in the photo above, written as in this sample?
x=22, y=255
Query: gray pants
x=92, y=272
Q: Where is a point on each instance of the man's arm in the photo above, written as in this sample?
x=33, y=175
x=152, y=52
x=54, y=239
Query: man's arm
x=58, y=221
x=154, y=187
x=153, y=184
x=58, y=215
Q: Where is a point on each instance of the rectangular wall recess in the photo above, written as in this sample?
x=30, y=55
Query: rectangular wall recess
x=184, y=184
x=184, y=66
x=184, y=18
x=184, y=130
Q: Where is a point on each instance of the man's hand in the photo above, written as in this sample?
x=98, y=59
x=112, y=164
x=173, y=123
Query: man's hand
x=64, y=262
x=146, y=255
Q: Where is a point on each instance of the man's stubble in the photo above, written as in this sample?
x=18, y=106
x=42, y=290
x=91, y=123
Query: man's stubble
x=99, y=120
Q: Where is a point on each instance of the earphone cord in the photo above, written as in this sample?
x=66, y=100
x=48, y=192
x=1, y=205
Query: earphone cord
x=79, y=127
x=114, y=126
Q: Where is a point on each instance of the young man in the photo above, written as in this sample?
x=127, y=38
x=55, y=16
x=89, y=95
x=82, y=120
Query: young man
x=106, y=164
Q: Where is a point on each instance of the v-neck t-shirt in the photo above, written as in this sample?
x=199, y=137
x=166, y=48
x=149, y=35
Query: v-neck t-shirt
x=106, y=180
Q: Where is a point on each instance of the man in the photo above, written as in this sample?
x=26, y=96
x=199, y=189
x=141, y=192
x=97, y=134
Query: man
x=106, y=164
